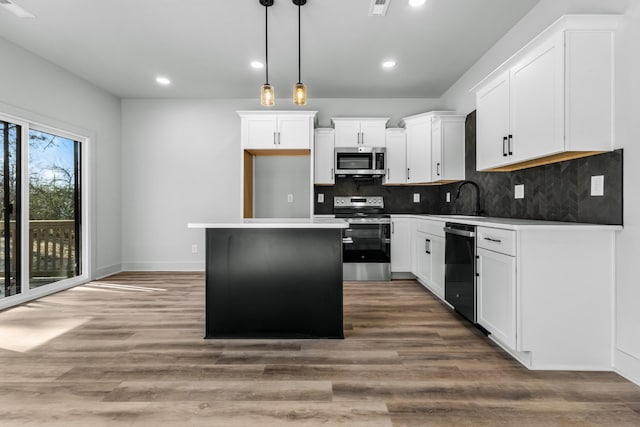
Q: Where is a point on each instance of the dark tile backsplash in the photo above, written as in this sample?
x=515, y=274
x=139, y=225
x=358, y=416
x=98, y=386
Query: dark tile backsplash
x=556, y=192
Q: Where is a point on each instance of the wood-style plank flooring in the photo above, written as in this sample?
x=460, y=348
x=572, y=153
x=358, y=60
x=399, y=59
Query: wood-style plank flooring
x=128, y=350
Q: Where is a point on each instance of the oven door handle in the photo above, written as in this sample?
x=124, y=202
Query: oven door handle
x=347, y=240
x=457, y=232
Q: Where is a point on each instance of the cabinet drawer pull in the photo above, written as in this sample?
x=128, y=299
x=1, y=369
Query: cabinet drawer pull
x=504, y=146
x=510, y=139
x=492, y=240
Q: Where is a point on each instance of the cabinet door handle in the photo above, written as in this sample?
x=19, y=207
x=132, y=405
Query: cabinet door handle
x=387, y=173
x=427, y=246
x=504, y=146
x=393, y=228
x=332, y=172
x=279, y=135
x=362, y=138
x=492, y=240
x=408, y=174
x=274, y=139
x=438, y=169
x=510, y=139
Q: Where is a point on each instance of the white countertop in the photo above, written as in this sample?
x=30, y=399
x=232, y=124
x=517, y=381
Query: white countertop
x=514, y=223
x=271, y=223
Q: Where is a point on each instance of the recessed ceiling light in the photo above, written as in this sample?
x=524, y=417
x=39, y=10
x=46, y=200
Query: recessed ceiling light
x=257, y=64
x=163, y=81
x=416, y=3
x=15, y=9
x=389, y=64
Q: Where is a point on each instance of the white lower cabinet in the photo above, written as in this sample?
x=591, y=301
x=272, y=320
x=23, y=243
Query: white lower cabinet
x=496, y=290
x=428, y=244
x=400, y=245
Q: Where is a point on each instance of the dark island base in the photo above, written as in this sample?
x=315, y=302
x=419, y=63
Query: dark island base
x=274, y=283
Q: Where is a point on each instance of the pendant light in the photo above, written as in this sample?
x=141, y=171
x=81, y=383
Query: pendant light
x=299, y=89
x=267, y=94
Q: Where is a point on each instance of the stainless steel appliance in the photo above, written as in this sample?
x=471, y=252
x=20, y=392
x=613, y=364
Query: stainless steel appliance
x=366, y=251
x=460, y=268
x=360, y=161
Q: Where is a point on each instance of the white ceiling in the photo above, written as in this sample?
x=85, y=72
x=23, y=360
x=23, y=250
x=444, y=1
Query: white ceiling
x=205, y=46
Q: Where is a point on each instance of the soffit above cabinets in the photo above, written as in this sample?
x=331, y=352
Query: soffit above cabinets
x=205, y=47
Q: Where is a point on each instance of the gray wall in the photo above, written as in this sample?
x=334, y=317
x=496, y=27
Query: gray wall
x=275, y=178
x=37, y=91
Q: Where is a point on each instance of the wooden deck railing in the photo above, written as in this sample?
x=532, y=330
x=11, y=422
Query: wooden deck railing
x=52, y=252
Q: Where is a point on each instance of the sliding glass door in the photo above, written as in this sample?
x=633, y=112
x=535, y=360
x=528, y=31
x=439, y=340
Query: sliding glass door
x=10, y=212
x=41, y=211
x=54, y=208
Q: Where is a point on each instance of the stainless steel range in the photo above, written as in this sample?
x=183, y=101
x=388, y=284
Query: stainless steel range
x=367, y=241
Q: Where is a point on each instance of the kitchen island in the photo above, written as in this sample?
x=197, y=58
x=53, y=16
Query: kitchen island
x=273, y=278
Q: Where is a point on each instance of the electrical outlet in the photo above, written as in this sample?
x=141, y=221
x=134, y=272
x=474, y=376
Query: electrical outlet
x=194, y=249
x=290, y=198
x=519, y=191
x=597, y=185
x=416, y=197
x=448, y=197
x=320, y=197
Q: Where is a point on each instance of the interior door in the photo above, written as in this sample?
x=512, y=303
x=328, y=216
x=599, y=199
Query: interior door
x=10, y=212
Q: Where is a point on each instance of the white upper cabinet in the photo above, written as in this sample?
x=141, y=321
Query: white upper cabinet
x=323, y=154
x=551, y=101
x=267, y=130
x=492, y=123
x=419, y=133
x=359, y=132
x=447, y=149
x=396, y=157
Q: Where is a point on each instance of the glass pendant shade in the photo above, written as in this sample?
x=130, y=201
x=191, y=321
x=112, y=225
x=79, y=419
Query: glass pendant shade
x=299, y=94
x=267, y=95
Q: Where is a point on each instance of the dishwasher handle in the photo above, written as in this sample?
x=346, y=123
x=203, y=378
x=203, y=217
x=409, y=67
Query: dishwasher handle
x=463, y=233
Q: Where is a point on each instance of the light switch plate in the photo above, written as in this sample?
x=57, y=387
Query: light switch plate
x=320, y=197
x=290, y=198
x=518, y=191
x=597, y=185
x=416, y=197
x=448, y=197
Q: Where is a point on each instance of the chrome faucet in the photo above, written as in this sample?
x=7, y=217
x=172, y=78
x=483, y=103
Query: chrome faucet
x=478, y=211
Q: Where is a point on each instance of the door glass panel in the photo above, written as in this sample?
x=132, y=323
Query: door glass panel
x=54, y=208
x=9, y=209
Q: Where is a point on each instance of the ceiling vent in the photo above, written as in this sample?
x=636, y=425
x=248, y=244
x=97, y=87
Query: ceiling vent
x=15, y=9
x=379, y=7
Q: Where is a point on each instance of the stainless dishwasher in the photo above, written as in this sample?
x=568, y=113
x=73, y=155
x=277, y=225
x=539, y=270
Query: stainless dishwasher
x=460, y=268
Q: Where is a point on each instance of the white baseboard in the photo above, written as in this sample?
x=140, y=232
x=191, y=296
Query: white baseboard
x=627, y=366
x=107, y=271
x=163, y=266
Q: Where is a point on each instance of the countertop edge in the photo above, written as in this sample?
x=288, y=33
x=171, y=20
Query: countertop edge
x=497, y=223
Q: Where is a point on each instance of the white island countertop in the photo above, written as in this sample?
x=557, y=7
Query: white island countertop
x=271, y=223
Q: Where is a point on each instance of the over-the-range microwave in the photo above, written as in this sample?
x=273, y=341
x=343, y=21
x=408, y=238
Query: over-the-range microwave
x=360, y=161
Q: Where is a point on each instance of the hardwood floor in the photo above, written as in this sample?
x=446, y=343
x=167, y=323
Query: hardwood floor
x=128, y=350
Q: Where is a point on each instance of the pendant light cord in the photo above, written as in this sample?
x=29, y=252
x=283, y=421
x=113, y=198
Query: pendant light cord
x=299, y=51
x=266, y=44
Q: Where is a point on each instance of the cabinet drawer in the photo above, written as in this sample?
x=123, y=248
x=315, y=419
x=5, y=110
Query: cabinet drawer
x=431, y=227
x=497, y=240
